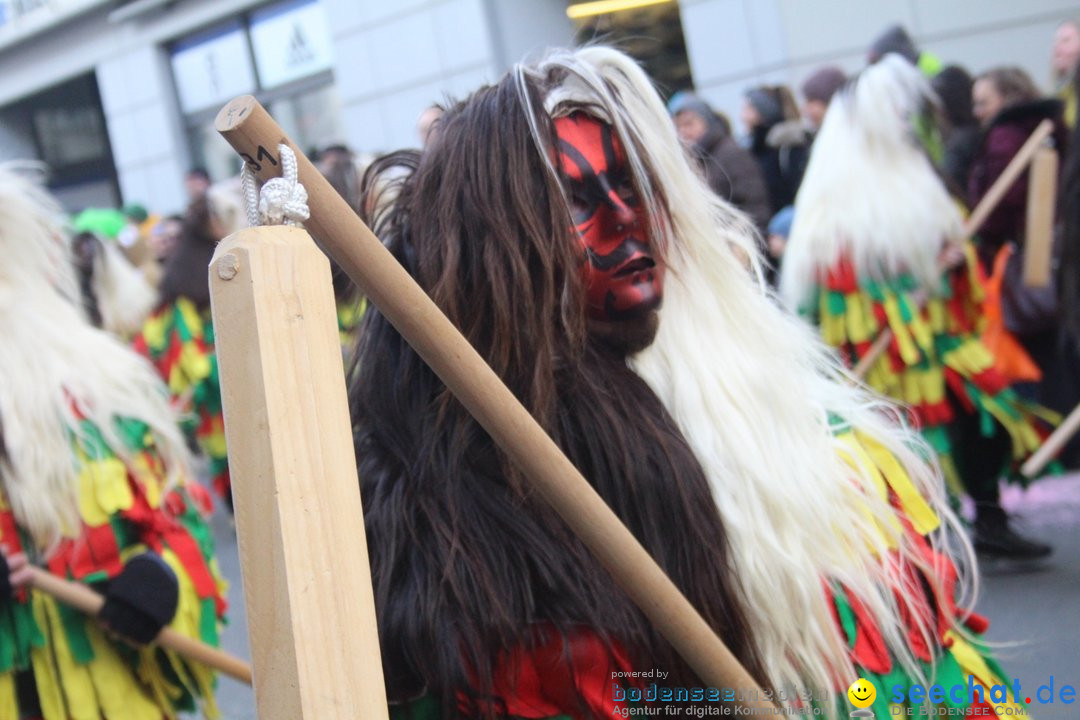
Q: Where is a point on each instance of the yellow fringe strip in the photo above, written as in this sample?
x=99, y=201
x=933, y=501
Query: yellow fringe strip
x=972, y=663
x=871, y=460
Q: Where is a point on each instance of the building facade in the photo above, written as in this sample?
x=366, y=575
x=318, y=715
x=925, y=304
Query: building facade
x=118, y=97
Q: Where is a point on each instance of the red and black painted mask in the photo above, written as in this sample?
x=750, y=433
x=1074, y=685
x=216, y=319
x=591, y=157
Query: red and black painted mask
x=624, y=279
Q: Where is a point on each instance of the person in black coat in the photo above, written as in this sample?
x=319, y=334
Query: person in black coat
x=962, y=136
x=778, y=140
x=729, y=169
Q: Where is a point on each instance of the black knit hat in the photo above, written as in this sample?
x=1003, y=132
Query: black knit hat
x=823, y=83
x=767, y=105
x=895, y=39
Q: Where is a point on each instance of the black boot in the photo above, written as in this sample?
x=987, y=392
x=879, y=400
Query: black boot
x=993, y=538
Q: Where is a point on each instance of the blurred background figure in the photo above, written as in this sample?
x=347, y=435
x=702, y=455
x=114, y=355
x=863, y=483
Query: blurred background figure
x=178, y=337
x=1009, y=106
x=962, y=132
x=426, y=124
x=134, y=238
x=337, y=164
x=165, y=237
x=777, y=140
x=344, y=171
x=116, y=295
x=96, y=486
x=199, y=217
x=729, y=169
x=1063, y=61
x=817, y=91
x=777, y=234
x=1069, y=269
x=895, y=39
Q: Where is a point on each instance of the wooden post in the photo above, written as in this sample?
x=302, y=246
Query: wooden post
x=1039, y=232
x=251, y=131
x=300, y=525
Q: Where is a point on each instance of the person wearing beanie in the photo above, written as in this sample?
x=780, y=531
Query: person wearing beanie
x=962, y=136
x=817, y=91
x=729, y=169
x=778, y=140
x=895, y=39
x=762, y=108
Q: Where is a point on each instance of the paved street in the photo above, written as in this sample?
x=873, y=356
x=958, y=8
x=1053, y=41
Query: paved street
x=236, y=699
x=1034, y=611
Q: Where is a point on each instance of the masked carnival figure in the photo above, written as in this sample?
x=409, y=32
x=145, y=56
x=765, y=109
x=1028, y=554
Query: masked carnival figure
x=557, y=222
x=94, y=487
x=878, y=244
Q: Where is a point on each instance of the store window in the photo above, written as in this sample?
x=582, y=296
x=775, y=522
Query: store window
x=648, y=30
x=282, y=54
x=64, y=127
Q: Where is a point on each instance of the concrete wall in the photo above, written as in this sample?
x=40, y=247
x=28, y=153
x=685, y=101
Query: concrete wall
x=16, y=136
x=392, y=60
x=144, y=124
x=525, y=28
x=736, y=44
x=145, y=131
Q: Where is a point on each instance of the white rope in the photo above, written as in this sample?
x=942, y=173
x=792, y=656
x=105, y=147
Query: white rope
x=251, y=195
x=282, y=200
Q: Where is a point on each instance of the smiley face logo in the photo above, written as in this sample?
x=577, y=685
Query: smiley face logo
x=862, y=693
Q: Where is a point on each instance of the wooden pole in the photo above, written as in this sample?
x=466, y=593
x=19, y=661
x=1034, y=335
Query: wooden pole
x=978, y=216
x=299, y=521
x=1009, y=175
x=880, y=345
x=1053, y=445
x=87, y=601
x=1039, y=230
x=246, y=125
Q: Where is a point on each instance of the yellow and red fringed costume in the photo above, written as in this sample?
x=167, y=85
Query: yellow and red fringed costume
x=951, y=653
x=935, y=354
x=873, y=227
x=125, y=508
x=95, y=483
x=178, y=339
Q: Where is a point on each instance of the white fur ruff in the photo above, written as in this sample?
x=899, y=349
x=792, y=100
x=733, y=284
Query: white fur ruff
x=125, y=298
x=870, y=193
x=53, y=365
x=752, y=389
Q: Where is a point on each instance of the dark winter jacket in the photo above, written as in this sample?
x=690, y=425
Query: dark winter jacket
x=961, y=144
x=733, y=174
x=1001, y=140
x=782, y=152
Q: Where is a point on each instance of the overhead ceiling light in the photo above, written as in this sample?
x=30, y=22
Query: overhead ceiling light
x=602, y=7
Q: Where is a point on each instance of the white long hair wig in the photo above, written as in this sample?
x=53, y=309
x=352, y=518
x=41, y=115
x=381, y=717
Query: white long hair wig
x=56, y=367
x=758, y=397
x=125, y=298
x=870, y=193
